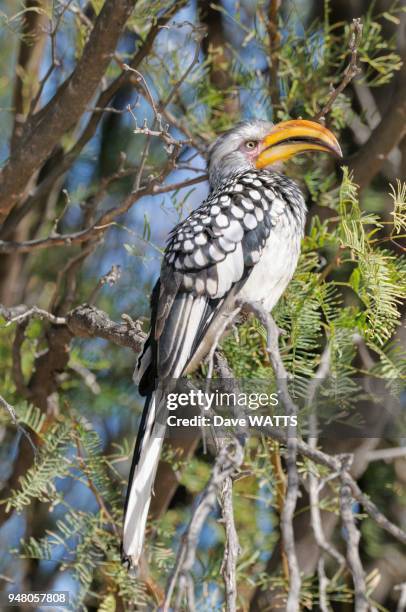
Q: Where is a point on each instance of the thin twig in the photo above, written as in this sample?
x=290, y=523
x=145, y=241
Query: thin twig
x=227, y=461
x=350, y=72
x=292, y=487
x=386, y=454
x=232, y=547
x=314, y=487
x=274, y=43
x=402, y=597
x=111, y=278
x=352, y=541
x=20, y=428
x=104, y=222
x=37, y=313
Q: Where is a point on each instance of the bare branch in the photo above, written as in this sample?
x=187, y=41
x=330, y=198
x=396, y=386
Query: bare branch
x=33, y=38
x=20, y=428
x=90, y=322
x=231, y=547
x=370, y=158
x=31, y=313
x=402, y=597
x=67, y=106
x=103, y=222
x=84, y=321
x=111, y=278
x=314, y=487
x=227, y=461
x=274, y=43
x=350, y=72
x=104, y=98
x=292, y=487
x=334, y=463
x=352, y=541
x=386, y=454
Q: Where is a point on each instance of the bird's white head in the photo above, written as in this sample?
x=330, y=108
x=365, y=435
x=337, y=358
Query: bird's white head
x=261, y=144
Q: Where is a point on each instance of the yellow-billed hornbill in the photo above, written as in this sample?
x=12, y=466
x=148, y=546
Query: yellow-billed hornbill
x=241, y=243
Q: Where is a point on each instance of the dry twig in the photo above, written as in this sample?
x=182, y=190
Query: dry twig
x=352, y=541
x=10, y=409
x=227, y=462
x=292, y=486
x=350, y=72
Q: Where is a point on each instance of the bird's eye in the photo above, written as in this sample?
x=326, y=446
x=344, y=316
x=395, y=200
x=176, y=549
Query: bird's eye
x=251, y=144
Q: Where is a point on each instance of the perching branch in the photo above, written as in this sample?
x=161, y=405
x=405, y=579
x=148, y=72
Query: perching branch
x=84, y=321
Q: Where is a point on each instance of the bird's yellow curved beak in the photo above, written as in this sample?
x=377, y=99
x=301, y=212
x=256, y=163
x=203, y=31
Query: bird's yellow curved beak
x=289, y=138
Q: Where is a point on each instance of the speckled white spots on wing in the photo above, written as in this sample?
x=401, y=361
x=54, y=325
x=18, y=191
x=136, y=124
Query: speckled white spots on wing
x=188, y=246
x=215, y=253
x=259, y=213
x=222, y=221
x=211, y=286
x=234, y=231
x=248, y=205
x=236, y=212
x=255, y=195
x=254, y=256
x=278, y=206
x=188, y=262
x=188, y=281
x=257, y=183
x=215, y=210
x=238, y=188
x=230, y=270
x=199, y=258
x=201, y=239
x=250, y=221
x=171, y=257
x=268, y=193
x=224, y=199
x=199, y=285
x=226, y=245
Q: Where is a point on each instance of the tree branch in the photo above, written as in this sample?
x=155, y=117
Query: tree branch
x=10, y=409
x=227, y=461
x=352, y=540
x=369, y=159
x=45, y=129
x=101, y=224
x=292, y=486
x=350, y=72
x=89, y=322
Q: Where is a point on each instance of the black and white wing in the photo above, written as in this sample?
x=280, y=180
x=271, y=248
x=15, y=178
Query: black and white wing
x=207, y=259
